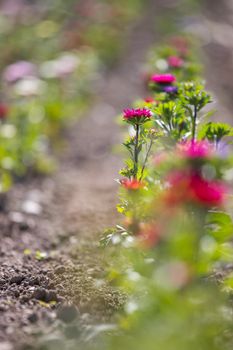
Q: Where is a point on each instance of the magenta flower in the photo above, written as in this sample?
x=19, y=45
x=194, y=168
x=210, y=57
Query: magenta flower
x=206, y=192
x=164, y=79
x=18, y=70
x=175, y=61
x=195, y=149
x=137, y=115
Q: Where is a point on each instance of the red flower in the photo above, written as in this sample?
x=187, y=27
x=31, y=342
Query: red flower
x=164, y=79
x=175, y=61
x=132, y=184
x=137, y=115
x=194, y=188
x=4, y=110
x=149, y=100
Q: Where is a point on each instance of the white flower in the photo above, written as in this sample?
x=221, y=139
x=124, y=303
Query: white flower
x=8, y=131
x=162, y=65
x=30, y=86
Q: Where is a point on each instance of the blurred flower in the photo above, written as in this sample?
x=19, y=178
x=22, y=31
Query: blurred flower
x=175, y=61
x=192, y=187
x=172, y=275
x=164, y=79
x=149, y=100
x=162, y=65
x=19, y=70
x=29, y=86
x=8, y=131
x=170, y=89
x=195, y=149
x=206, y=192
x=160, y=158
x=132, y=184
x=4, y=110
x=181, y=44
x=137, y=116
x=61, y=67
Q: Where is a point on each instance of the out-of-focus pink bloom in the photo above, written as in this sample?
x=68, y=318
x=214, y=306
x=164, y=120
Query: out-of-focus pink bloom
x=175, y=61
x=164, y=79
x=137, y=115
x=61, y=67
x=12, y=7
x=181, y=44
x=209, y=193
x=4, y=110
x=195, y=149
x=19, y=70
x=160, y=158
x=132, y=184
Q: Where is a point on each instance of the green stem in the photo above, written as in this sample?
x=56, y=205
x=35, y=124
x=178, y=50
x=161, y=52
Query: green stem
x=146, y=159
x=194, y=123
x=136, y=151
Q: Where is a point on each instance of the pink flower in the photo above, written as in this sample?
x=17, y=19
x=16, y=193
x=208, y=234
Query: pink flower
x=175, y=61
x=181, y=44
x=195, y=149
x=163, y=79
x=206, y=192
x=19, y=70
x=132, y=184
x=138, y=115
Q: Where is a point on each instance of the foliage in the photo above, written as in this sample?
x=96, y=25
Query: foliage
x=177, y=227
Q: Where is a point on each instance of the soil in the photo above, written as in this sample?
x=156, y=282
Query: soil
x=52, y=276
x=52, y=272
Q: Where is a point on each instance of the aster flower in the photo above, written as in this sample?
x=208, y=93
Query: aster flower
x=193, y=188
x=163, y=79
x=137, y=115
x=170, y=89
x=18, y=70
x=175, y=62
x=149, y=100
x=132, y=184
x=195, y=149
x=208, y=193
x=30, y=86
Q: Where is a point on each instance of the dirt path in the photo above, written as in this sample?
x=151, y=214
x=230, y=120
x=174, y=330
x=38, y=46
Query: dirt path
x=49, y=234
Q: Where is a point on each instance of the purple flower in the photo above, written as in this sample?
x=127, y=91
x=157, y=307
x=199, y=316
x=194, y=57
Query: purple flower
x=170, y=89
